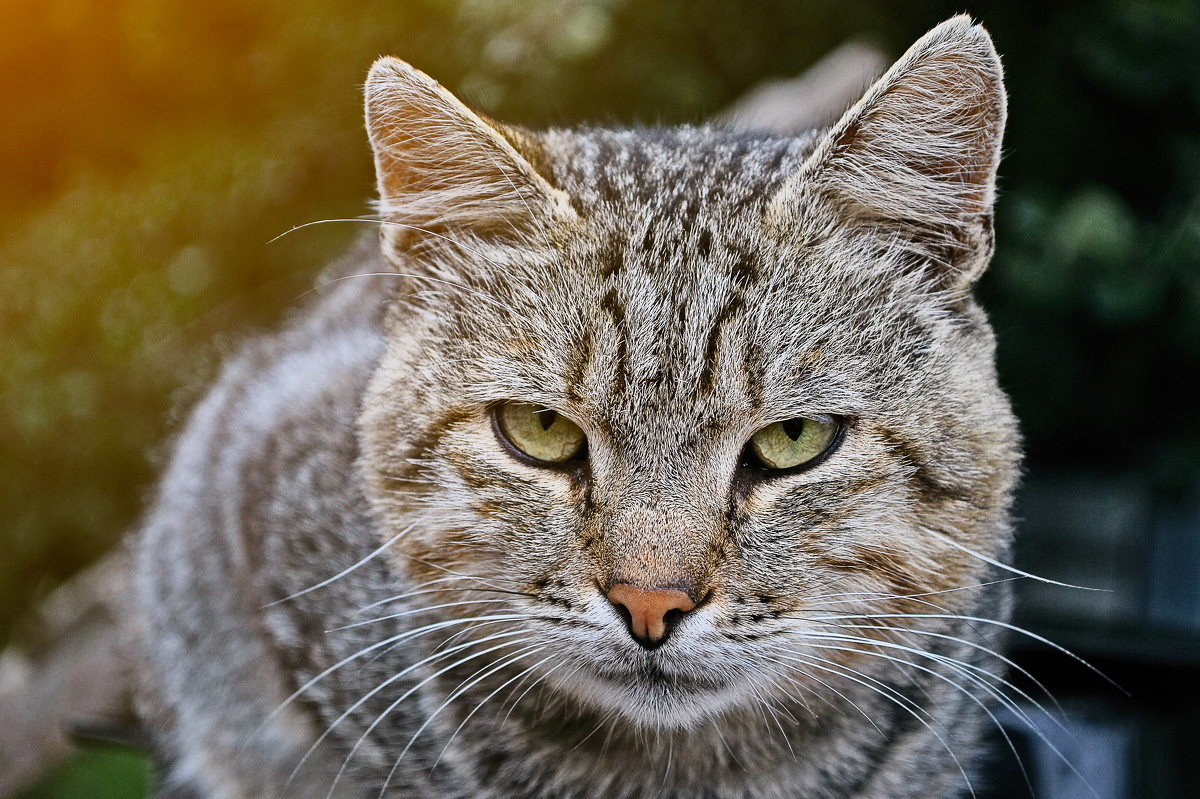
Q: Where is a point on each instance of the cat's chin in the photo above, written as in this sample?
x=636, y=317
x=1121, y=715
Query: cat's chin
x=649, y=696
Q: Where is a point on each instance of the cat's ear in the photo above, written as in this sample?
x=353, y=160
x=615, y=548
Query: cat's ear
x=913, y=163
x=443, y=170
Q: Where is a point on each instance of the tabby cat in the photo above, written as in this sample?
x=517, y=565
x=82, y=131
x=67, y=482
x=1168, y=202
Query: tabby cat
x=622, y=463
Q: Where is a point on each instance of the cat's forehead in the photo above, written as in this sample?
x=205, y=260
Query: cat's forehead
x=671, y=273
x=673, y=218
x=672, y=306
x=680, y=173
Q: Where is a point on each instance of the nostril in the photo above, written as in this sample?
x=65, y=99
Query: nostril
x=624, y=613
x=671, y=618
x=649, y=614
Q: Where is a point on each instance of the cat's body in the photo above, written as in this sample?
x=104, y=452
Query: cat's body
x=502, y=632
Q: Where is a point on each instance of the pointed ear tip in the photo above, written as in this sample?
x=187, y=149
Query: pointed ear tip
x=388, y=70
x=386, y=66
x=959, y=26
x=965, y=32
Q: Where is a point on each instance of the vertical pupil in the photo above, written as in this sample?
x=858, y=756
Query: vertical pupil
x=547, y=417
x=793, y=428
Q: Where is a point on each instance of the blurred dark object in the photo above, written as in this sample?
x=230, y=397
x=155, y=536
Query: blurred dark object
x=1143, y=556
x=1141, y=631
x=64, y=676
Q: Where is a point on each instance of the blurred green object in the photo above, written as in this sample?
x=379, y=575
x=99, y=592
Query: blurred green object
x=97, y=774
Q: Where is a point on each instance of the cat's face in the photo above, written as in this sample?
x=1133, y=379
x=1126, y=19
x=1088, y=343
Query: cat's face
x=690, y=419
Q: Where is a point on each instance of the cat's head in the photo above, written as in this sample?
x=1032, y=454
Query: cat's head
x=683, y=412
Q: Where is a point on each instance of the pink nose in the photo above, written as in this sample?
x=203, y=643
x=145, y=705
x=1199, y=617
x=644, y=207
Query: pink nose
x=650, y=610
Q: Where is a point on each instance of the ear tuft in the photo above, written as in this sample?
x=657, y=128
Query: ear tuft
x=442, y=169
x=915, y=160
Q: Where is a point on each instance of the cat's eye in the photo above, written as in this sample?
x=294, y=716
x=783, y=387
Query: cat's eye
x=792, y=443
x=539, y=432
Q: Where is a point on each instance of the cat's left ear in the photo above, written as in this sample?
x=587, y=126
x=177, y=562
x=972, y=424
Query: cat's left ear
x=913, y=163
x=443, y=170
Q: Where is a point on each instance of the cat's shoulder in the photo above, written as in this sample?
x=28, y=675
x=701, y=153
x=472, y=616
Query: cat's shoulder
x=278, y=393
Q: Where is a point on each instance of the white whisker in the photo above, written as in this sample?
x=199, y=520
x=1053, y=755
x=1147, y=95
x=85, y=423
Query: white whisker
x=945, y=539
x=414, y=611
x=481, y=674
x=884, y=690
x=434, y=658
x=1002, y=624
x=345, y=571
x=511, y=659
x=388, y=710
x=393, y=640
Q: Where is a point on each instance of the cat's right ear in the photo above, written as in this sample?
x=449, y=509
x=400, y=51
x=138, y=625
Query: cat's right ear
x=910, y=170
x=444, y=172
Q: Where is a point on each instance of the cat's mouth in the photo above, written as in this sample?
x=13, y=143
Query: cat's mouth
x=651, y=674
x=660, y=694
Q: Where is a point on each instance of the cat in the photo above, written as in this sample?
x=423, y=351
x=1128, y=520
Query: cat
x=623, y=463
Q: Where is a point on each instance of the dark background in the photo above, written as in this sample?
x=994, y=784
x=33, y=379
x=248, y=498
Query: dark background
x=150, y=151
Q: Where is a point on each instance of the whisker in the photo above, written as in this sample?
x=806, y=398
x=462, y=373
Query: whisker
x=667, y=769
x=883, y=596
x=343, y=572
x=485, y=700
x=732, y=755
x=457, y=692
x=442, y=655
x=393, y=640
x=517, y=701
x=425, y=590
x=765, y=705
x=388, y=710
x=413, y=611
x=827, y=701
x=599, y=726
x=969, y=672
x=964, y=670
x=979, y=647
x=945, y=539
x=891, y=695
x=447, y=570
x=385, y=222
x=981, y=620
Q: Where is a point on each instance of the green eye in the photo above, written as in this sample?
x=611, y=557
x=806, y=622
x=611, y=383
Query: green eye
x=542, y=433
x=795, y=442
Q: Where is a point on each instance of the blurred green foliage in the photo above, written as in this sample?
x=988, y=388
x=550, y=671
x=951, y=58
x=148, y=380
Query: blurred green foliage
x=97, y=774
x=1095, y=290
x=151, y=150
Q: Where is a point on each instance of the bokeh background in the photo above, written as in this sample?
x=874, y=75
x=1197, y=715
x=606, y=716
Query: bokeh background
x=151, y=150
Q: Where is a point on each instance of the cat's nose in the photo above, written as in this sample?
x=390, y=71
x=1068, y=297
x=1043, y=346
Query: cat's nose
x=649, y=612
